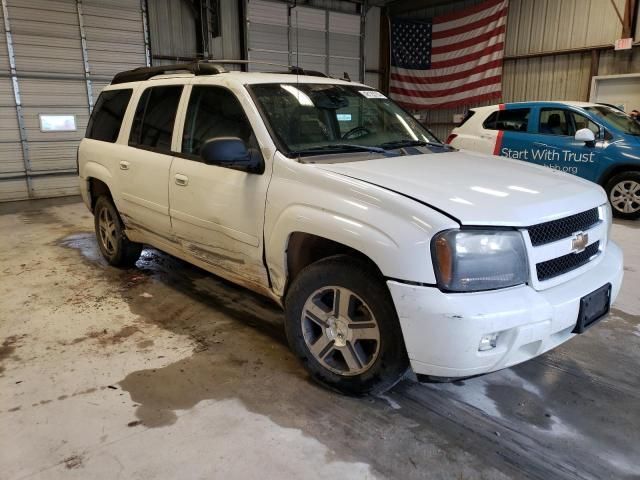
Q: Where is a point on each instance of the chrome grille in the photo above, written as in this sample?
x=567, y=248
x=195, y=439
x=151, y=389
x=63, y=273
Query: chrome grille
x=555, y=230
x=566, y=263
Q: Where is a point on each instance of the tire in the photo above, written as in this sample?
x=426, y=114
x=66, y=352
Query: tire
x=368, y=359
x=623, y=192
x=116, y=248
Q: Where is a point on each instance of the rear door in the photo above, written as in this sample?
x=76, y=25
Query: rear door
x=554, y=144
x=143, y=168
x=510, y=131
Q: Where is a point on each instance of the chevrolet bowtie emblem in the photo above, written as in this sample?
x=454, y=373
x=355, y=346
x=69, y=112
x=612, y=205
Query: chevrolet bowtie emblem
x=579, y=242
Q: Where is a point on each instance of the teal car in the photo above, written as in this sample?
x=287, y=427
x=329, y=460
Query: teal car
x=593, y=141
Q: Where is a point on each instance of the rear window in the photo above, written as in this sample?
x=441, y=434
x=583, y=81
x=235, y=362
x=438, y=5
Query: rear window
x=155, y=115
x=516, y=120
x=467, y=116
x=106, y=119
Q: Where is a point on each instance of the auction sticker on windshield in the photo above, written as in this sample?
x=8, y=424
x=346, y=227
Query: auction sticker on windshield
x=371, y=94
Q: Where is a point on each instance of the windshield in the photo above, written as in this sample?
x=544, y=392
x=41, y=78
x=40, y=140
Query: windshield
x=315, y=119
x=615, y=118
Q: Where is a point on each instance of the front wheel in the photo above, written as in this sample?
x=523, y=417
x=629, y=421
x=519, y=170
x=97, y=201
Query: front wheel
x=116, y=248
x=342, y=324
x=623, y=191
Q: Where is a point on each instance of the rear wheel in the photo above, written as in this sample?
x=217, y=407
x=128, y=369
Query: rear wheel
x=342, y=324
x=623, y=191
x=116, y=248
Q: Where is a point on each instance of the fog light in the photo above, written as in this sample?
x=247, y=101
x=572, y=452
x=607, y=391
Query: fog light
x=487, y=342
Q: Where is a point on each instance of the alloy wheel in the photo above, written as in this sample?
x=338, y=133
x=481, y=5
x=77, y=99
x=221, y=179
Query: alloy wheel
x=107, y=231
x=340, y=330
x=625, y=196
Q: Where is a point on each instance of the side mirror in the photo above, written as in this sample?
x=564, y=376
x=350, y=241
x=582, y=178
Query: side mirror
x=585, y=135
x=231, y=152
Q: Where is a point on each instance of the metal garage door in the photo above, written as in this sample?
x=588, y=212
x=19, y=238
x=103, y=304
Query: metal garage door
x=316, y=39
x=56, y=57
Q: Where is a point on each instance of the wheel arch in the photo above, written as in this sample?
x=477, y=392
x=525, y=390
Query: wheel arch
x=99, y=182
x=302, y=235
x=617, y=169
x=304, y=248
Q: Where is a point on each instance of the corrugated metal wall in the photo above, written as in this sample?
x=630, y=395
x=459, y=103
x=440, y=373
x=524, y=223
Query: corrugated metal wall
x=65, y=52
x=316, y=38
x=171, y=30
x=172, y=27
x=545, y=26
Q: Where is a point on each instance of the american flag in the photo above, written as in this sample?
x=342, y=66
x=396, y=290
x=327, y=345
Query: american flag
x=451, y=60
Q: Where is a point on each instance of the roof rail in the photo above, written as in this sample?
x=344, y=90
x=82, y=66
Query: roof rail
x=293, y=69
x=145, y=73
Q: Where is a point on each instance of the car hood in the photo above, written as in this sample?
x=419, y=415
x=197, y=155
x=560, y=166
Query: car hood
x=478, y=189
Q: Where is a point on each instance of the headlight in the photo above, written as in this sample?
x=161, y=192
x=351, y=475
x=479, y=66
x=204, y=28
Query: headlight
x=472, y=260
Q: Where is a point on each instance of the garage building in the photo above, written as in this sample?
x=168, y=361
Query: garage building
x=166, y=371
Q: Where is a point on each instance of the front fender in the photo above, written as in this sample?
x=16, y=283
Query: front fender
x=349, y=231
x=390, y=229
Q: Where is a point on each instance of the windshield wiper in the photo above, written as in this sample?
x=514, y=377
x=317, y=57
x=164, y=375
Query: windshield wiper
x=410, y=143
x=338, y=147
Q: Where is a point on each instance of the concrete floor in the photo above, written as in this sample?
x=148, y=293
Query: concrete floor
x=165, y=371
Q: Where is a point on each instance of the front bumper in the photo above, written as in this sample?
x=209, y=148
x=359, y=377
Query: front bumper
x=442, y=331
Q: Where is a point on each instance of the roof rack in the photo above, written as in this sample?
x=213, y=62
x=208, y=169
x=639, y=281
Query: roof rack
x=202, y=67
x=145, y=73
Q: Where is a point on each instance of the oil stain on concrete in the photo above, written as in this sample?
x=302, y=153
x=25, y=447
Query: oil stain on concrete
x=521, y=419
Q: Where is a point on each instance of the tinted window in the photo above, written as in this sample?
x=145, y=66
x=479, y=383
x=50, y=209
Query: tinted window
x=554, y=121
x=513, y=120
x=155, y=115
x=467, y=116
x=559, y=121
x=213, y=112
x=107, y=115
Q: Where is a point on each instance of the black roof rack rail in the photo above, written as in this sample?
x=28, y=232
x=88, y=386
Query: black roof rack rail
x=145, y=73
x=203, y=67
x=291, y=69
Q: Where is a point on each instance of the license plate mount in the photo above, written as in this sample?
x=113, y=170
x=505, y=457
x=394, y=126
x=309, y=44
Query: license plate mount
x=593, y=307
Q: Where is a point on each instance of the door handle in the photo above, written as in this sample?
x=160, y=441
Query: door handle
x=181, y=180
x=124, y=165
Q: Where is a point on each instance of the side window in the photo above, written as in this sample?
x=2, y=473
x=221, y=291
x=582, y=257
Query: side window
x=107, y=115
x=515, y=120
x=580, y=121
x=490, y=122
x=554, y=121
x=153, y=123
x=467, y=116
x=213, y=112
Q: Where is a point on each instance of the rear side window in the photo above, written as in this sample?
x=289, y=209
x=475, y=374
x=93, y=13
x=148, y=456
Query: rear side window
x=516, y=120
x=155, y=115
x=466, y=118
x=107, y=115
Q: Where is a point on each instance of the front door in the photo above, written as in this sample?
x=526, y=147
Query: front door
x=554, y=145
x=218, y=213
x=144, y=169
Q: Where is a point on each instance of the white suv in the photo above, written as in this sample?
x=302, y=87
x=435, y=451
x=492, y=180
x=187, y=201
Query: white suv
x=386, y=248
